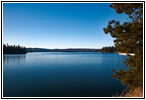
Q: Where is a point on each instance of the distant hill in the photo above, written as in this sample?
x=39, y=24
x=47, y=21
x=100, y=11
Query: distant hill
x=13, y=49
x=61, y=50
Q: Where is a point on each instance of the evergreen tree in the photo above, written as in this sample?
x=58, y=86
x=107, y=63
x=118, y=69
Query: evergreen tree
x=129, y=39
x=12, y=49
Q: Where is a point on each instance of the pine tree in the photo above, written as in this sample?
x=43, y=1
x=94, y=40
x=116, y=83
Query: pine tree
x=129, y=39
x=13, y=49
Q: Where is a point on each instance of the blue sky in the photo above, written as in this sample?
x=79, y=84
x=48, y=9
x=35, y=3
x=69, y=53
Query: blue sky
x=58, y=25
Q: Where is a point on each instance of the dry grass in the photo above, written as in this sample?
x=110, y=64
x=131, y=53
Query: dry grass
x=138, y=92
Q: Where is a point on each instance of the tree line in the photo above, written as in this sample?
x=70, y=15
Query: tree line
x=109, y=49
x=13, y=49
x=16, y=49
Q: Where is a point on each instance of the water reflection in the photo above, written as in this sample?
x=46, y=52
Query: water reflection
x=61, y=74
x=14, y=60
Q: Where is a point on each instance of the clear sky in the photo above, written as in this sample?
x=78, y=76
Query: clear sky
x=58, y=25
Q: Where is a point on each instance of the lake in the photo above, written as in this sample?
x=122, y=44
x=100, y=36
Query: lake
x=61, y=74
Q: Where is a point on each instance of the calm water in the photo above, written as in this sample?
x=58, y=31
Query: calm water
x=61, y=74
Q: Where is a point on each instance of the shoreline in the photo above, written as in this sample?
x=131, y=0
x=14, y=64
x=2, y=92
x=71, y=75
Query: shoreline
x=126, y=54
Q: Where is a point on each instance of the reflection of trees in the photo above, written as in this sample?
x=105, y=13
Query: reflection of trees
x=13, y=59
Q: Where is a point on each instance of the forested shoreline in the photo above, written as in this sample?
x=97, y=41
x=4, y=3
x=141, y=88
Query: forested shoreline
x=13, y=49
x=16, y=49
x=108, y=49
